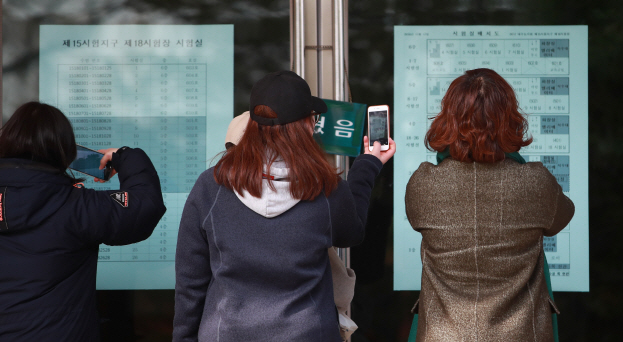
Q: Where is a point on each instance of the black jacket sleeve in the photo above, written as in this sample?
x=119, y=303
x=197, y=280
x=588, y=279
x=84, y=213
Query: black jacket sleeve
x=349, y=204
x=127, y=215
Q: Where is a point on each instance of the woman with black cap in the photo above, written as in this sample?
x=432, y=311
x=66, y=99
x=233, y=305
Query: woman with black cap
x=251, y=262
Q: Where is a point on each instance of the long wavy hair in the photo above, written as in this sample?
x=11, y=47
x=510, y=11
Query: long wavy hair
x=310, y=174
x=479, y=119
x=42, y=133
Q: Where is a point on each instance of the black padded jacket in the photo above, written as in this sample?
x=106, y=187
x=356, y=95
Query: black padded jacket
x=50, y=233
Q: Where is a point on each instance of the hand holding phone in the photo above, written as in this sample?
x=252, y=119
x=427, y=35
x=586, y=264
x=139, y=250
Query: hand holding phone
x=378, y=126
x=383, y=156
x=89, y=161
x=106, y=161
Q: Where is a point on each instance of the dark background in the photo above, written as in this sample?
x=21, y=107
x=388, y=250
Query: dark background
x=593, y=316
x=261, y=35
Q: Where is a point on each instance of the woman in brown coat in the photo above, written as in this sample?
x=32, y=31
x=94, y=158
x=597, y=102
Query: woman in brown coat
x=483, y=212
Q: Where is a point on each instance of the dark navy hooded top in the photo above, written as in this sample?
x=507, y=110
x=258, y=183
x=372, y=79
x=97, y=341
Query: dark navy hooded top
x=258, y=269
x=50, y=233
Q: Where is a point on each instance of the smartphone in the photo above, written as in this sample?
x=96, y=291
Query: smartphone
x=88, y=162
x=378, y=126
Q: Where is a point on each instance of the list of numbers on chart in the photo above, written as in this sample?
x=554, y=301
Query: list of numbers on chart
x=544, y=66
x=165, y=89
x=157, y=104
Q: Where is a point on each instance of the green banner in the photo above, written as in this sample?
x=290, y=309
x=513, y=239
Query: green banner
x=340, y=129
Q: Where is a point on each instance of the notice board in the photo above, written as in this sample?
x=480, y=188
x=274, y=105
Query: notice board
x=547, y=66
x=167, y=89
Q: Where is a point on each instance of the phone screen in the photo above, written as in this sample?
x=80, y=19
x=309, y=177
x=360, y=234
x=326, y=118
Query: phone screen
x=378, y=127
x=88, y=161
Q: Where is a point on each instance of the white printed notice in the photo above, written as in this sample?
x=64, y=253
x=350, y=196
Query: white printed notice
x=547, y=68
x=166, y=89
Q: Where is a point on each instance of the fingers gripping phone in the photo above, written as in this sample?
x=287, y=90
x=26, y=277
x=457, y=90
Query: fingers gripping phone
x=88, y=162
x=378, y=126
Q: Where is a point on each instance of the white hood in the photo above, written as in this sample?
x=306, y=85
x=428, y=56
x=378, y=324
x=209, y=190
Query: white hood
x=272, y=203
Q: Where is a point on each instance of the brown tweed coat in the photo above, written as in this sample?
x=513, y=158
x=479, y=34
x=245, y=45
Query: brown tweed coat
x=482, y=229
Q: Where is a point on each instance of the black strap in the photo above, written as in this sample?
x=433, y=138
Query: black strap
x=264, y=121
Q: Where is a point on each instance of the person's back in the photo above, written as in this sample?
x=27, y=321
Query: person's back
x=251, y=258
x=482, y=225
x=483, y=212
x=268, y=270
x=44, y=260
x=50, y=231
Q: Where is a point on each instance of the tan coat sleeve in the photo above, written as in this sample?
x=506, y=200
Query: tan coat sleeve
x=413, y=194
x=564, y=212
x=410, y=200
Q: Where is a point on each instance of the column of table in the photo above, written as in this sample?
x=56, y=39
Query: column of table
x=90, y=89
x=157, y=104
x=557, y=247
x=164, y=150
x=165, y=86
x=177, y=147
x=136, y=87
x=193, y=85
x=163, y=241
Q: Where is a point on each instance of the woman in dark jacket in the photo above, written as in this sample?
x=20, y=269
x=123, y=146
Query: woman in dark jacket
x=50, y=230
x=483, y=212
x=252, y=262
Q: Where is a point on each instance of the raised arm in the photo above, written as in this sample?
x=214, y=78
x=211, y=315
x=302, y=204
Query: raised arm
x=127, y=215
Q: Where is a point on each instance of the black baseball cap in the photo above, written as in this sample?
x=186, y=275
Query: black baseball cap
x=288, y=95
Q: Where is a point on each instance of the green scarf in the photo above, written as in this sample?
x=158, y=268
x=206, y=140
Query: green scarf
x=513, y=155
x=518, y=158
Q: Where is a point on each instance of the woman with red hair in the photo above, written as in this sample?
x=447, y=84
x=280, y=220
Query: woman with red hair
x=252, y=261
x=483, y=212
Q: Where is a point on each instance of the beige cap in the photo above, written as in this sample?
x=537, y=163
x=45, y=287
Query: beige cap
x=236, y=128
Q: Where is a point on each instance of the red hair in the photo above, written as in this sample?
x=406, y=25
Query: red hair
x=240, y=168
x=479, y=119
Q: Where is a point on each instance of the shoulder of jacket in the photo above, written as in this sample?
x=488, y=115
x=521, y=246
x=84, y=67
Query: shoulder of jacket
x=426, y=167
x=205, y=191
x=423, y=171
x=535, y=168
x=537, y=174
x=206, y=178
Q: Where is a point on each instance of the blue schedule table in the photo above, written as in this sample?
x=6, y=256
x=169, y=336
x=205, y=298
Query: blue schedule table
x=174, y=145
x=547, y=68
x=166, y=89
x=148, y=103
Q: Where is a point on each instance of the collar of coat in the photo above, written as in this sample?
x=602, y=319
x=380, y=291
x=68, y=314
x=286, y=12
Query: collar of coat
x=514, y=156
x=18, y=163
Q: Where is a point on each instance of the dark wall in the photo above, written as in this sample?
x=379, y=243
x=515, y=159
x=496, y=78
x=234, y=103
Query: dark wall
x=592, y=316
x=261, y=35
